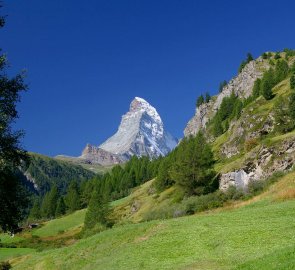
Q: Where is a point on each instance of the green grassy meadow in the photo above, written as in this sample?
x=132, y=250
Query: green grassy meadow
x=259, y=234
x=9, y=253
x=254, y=234
x=63, y=224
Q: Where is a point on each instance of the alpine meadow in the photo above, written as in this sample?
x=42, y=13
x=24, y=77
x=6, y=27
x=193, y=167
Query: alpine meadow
x=220, y=196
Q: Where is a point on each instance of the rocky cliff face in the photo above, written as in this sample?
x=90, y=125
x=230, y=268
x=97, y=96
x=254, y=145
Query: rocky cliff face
x=95, y=155
x=260, y=164
x=251, y=149
x=141, y=133
x=241, y=85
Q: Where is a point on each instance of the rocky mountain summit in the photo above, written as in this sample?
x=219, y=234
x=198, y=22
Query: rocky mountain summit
x=141, y=133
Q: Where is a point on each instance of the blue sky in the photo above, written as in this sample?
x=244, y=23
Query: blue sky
x=86, y=60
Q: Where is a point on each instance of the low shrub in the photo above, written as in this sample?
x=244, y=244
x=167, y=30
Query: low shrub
x=5, y=266
x=204, y=202
x=96, y=229
x=250, y=144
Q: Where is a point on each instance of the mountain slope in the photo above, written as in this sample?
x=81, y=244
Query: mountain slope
x=253, y=146
x=258, y=234
x=44, y=171
x=141, y=133
x=241, y=86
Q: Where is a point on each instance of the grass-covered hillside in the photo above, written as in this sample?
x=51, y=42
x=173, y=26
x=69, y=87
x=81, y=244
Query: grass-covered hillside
x=253, y=234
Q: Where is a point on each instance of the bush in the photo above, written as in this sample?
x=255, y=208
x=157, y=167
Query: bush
x=94, y=230
x=165, y=212
x=200, y=101
x=264, y=56
x=277, y=56
x=292, y=82
x=5, y=266
x=256, y=187
x=222, y=85
x=204, y=202
x=234, y=193
x=250, y=144
x=267, y=84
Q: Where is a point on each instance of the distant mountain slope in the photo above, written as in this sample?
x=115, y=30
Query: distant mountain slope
x=141, y=133
x=44, y=171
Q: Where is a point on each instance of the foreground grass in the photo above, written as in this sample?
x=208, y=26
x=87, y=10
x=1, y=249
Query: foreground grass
x=8, y=253
x=257, y=234
x=5, y=238
x=66, y=223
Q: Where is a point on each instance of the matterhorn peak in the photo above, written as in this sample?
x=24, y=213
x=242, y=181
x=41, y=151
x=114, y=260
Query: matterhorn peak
x=139, y=104
x=141, y=133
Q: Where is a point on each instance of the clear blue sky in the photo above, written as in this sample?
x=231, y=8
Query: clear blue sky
x=86, y=60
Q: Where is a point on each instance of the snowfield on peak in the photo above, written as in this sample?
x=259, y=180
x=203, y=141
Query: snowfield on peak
x=140, y=133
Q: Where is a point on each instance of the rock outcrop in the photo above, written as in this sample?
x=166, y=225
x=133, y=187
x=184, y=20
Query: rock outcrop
x=261, y=164
x=241, y=86
x=95, y=155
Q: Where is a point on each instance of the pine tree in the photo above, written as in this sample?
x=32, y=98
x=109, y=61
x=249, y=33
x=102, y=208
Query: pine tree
x=217, y=126
x=283, y=118
x=249, y=57
x=35, y=212
x=281, y=71
x=267, y=84
x=227, y=106
x=264, y=56
x=207, y=97
x=13, y=198
x=193, y=170
x=200, y=100
x=292, y=105
x=97, y=212
x=256, y=88
x=277, y=56
x=241, y=67
x=60, y=208
x=163, y=179
x=45, y=207
x=222, y=85
x=49, y=203
x=53, y=198
x=86, y=190
x=237, y=109
x=292, y=82
x=72, y=198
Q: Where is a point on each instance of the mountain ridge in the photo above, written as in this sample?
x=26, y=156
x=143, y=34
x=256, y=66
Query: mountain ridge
x=140, y=133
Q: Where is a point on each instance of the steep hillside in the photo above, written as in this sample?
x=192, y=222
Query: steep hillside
x=256, y=234
x=241, y=86
x=44, y=171
x=260, y=140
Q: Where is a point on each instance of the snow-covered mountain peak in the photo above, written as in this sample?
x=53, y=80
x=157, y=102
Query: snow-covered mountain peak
x=141, y=105
x=140, y=133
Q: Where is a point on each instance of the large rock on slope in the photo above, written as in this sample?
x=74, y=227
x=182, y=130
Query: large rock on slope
x=261, y=164
x=141, y=133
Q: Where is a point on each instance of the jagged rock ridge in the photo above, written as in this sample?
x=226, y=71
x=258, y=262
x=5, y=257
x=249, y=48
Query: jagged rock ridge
x=241, y=86
x=140, y=133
